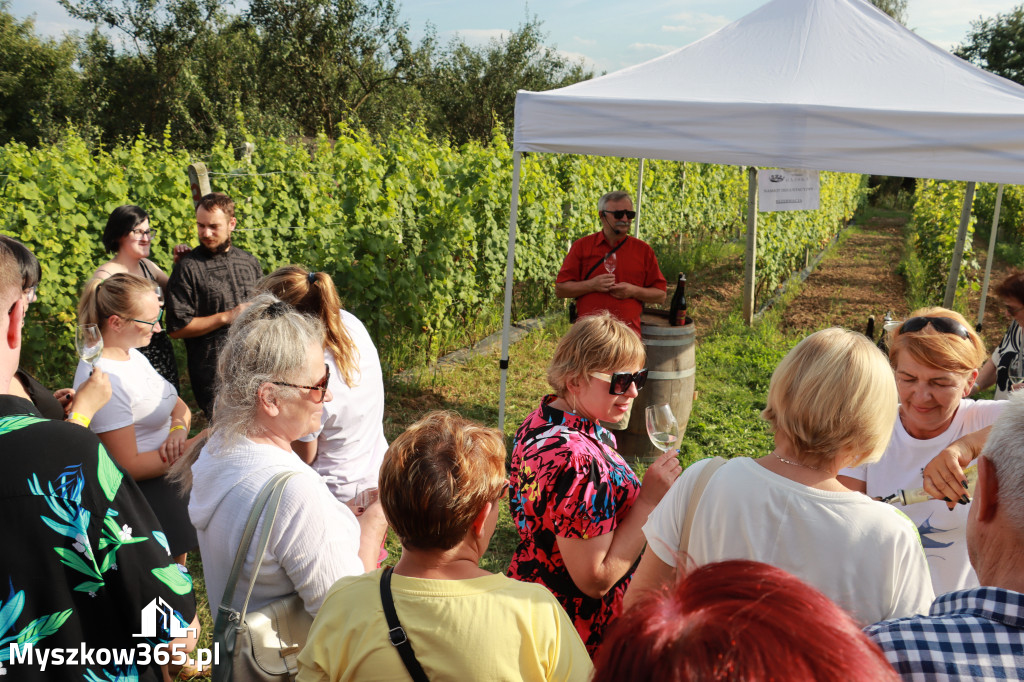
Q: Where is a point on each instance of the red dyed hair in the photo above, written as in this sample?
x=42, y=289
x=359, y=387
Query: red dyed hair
x=738, y=621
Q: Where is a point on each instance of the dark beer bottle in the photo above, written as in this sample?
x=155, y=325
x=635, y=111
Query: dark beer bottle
x=677, y=310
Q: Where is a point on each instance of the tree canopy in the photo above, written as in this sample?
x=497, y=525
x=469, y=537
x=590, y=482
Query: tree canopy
x=997, y=44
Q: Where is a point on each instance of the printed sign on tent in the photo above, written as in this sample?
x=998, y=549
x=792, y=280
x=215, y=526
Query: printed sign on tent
x=788, y=189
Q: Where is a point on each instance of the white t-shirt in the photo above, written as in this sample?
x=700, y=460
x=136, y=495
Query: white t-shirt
x=943, y=532
x=351, y=443
x=863, y=554
x=139, y=396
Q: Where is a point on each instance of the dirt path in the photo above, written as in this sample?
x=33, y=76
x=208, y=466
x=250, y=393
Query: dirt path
x=860, y=279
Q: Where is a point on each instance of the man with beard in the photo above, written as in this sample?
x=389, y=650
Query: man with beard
x=633, y=279
x=207, y=290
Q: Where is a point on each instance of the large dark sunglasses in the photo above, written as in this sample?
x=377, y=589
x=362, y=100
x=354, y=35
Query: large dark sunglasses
x=619, y=214
x=946, y=325
x=620, y=381
x=319, y=386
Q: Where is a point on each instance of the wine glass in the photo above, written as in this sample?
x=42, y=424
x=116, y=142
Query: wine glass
x=609, y=263
x=662, y=426
x=159, y=295
x=1016, y=371
x=88, y=343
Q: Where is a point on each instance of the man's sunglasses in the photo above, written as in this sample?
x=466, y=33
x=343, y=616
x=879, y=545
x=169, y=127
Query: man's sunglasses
x=946, y=325
x=620, y=214
x=318, y=386
x=620, y=381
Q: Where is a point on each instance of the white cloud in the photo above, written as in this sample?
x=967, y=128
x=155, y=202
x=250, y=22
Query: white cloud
x=584, y=41
x=588, y=63
x=652, y=47
x=699, y=24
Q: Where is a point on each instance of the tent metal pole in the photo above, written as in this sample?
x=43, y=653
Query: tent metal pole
x=506, y=320
x=991, y=255
x=958, y=251
x=639, y=199
x=751, y=254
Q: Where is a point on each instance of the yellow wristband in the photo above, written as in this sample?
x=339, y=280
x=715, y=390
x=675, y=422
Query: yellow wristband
x=176, y=427
x=80, y=418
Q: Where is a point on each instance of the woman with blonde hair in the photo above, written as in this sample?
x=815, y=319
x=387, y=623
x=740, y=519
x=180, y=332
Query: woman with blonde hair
x=831, y=403
x=349, y=446
x=935, y=355
x=145, y=424
x=577, y=505
x=442, y=485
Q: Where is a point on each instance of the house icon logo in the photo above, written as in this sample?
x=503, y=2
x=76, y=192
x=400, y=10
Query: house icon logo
x=160, y=612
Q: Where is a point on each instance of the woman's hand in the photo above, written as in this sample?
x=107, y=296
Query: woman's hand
x=944, y=476
x=91, y=395
x=660, y=476
x=174, y=447
x=64, y=396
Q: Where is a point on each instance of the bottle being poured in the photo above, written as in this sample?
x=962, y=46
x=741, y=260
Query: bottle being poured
x=910, y=496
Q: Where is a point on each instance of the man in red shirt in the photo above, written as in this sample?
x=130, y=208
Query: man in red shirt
x=635, y=278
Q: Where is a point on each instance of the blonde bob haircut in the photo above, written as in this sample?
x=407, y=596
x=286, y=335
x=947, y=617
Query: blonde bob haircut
x=436, y=478
x=595, y=343
x=833, y=393
x=930, y=347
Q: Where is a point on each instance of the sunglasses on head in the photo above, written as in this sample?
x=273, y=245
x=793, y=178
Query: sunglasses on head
x=620, y=381
x=620, y=214
x=946, y=325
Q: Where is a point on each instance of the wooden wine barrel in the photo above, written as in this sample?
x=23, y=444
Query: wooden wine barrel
x=671, y=364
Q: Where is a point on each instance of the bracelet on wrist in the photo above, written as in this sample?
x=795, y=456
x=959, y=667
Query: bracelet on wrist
x=176, y=427
x=80, y=418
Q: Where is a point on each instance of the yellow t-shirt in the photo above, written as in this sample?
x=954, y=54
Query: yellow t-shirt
x=489, y=628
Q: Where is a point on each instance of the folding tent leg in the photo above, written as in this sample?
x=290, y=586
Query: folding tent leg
x=751, y=254
x=506, y=323
x=958, y=251
x=639, y=199
x=991, y=254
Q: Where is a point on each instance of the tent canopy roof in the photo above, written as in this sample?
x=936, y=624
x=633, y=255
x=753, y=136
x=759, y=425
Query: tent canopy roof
x=819, y=84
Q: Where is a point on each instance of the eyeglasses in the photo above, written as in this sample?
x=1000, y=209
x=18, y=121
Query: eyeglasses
x=619, y=214
x=30, y=294
x=318, y=386
x=620, y=381
x=159, y=318
x=143, y=234
x=946, y=325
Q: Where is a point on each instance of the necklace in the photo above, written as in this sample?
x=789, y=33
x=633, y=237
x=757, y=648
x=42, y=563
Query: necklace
x=797, y=464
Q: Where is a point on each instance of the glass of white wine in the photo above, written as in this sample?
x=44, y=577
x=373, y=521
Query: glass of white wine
x=662, y=426
x=89, y=343
x=1016, y=372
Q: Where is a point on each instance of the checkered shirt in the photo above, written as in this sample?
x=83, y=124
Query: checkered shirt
x=975, y=634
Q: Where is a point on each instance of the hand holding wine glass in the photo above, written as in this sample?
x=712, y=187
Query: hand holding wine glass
x=1016, y=372
x=89, y=343
x=662, y=426
x=610, y=262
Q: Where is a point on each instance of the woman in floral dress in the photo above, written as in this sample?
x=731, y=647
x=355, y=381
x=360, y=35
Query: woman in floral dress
x=577, y=505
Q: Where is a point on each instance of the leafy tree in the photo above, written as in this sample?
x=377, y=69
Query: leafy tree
x=473, y=89
x=997, y=44
x=897, y=9
x=38, y=84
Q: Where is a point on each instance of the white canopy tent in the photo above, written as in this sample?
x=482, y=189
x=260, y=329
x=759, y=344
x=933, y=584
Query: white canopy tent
x=815, y=84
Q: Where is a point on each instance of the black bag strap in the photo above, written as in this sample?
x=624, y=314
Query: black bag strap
x=396, y=633
x=613, y=250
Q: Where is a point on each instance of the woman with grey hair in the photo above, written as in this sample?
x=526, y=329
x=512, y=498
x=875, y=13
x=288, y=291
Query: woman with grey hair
x=271, y=386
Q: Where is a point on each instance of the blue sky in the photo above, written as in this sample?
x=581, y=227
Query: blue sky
x=605, y=34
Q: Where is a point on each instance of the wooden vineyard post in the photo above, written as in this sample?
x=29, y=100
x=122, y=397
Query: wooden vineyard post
x=751, y=254
x=958, y=251
x=198, y=182
x=993, y=235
